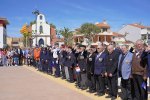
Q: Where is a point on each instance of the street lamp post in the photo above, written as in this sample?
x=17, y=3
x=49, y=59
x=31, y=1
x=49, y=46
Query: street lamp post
x=36, y=13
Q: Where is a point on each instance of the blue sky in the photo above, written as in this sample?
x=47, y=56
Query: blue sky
x=73, y=13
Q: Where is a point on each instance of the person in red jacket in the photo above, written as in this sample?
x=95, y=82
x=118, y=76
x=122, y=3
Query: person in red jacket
x=36, y=52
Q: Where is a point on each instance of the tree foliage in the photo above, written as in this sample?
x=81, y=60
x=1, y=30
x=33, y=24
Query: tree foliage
x=26, y=34
x=52, y=25
x=89, y=30
x=68, y=35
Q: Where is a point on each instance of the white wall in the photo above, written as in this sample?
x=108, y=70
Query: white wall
x=1, y=36
x=119, y=39
x=144, y=31
x=46, y=30
x=134, y=32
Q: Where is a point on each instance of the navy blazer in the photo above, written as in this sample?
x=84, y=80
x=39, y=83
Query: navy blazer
x=99, y=64
x=148, y=59
x=44, y=55
x=70, y=60
x=90, y=63
x=62, y=57
x=82, y=61
x=126, y=65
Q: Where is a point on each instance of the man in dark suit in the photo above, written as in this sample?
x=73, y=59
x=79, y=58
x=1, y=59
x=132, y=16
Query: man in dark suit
x=45, y=58
x=69, y=65
x=82, y=63
x=148, y=56
x=20, y=55
x=99, y=70
x=62, y=59
x=111, y=72
x=90, y=69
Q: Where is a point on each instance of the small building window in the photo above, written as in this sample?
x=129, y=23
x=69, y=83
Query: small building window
x=41, y=17
x=99, y=38
x=41, y=29
x=143, y=37
x=104, y=29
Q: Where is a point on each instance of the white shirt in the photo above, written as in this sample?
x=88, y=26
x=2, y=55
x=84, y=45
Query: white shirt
x=55, y=55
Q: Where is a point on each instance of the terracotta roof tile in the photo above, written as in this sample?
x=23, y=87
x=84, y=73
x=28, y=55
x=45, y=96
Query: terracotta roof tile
x=138, y=25
x=117, y=34
x=4, y=20
x=102, y=25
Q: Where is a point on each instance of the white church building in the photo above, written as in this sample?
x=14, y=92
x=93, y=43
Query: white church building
x=3, y=32
x=41, y=31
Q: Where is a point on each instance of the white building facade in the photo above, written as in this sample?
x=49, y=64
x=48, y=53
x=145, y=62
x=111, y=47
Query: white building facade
x=134, y=32
x=41, y=31
x=3, y=32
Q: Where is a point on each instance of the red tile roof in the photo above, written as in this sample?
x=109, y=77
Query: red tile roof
x=138, y=25
x=4, y=20
x=117, y=34
x=103, y=24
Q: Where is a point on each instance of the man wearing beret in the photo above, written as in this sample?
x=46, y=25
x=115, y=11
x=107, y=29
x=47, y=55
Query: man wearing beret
x=82, y=63
x=90, y=69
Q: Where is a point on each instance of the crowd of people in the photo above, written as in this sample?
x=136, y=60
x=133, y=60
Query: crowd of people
x=95, y=68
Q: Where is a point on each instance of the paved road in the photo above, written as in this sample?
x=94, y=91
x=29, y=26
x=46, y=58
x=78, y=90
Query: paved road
x=20, y=83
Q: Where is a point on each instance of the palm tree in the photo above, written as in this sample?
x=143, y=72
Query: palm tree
x=68, y=35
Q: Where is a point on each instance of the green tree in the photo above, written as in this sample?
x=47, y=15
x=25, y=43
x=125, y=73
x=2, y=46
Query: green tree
x=32, y=22
x=89, y=30
x=52, y=25
x=68, y=35
x=26, y=34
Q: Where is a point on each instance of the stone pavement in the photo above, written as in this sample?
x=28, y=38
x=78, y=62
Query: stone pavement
x=19, y=83
x=26, y=83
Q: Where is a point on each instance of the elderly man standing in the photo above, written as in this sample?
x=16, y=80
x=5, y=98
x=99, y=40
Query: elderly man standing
x=124, y=71
x=139, y=71
x=111, y=72
x=99, y=70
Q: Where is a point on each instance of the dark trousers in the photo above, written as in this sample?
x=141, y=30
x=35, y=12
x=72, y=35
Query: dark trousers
x=62, y=71
x=57, y=72
x=20, y=59
x=91, y=81
x=46, y=67
x=100, y=81
x=78, y=77
x=139, y=92
x=57, y=67
x=126, y=89
x=71, y=75
x=112, y=85
x=83, y=79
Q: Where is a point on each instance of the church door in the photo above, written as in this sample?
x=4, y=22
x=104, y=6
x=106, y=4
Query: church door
x=41, y=42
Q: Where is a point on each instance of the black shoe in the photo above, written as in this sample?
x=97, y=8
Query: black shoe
x=113, y=98
x=78, y=87
x=101, y=94
x=92, y=91
x=84, y=88
x=88, y=90
x=109, y=96
x=97, y=94
x=63, y=78
x=71, y=81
